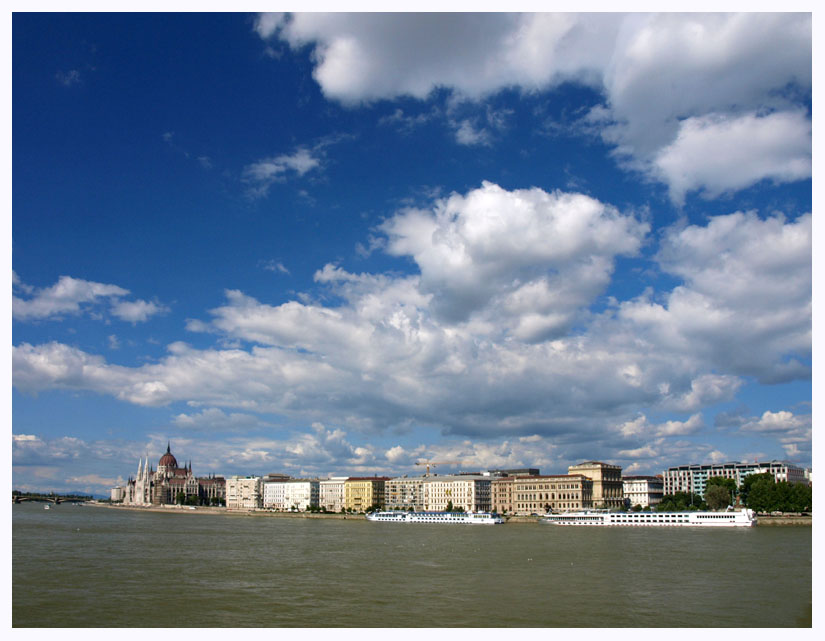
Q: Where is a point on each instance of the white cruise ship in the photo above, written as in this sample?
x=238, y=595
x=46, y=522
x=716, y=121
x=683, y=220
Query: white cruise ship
x=469, y=518
x=733, y=518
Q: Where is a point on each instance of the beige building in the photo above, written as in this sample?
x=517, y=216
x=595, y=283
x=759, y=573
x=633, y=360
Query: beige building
x=468, y=491
x=331, y=494
x=364, y=492
x=501, y=495
x=541, y=494
x=243, y=492
x=608, y=489
x=405, y=493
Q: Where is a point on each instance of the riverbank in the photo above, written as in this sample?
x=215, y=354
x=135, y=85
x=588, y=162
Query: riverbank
x=183, y=509
x=784, y=520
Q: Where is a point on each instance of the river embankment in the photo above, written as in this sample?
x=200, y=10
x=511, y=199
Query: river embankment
x=183, y=509
x=784, y=519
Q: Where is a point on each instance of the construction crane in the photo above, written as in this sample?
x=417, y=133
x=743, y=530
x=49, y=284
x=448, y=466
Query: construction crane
x=430, y=464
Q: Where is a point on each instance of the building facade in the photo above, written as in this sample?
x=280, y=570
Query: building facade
x=405, y=493
x=331, y=494
x=364, y=492
x=501, y=495
x=608, y=489
x=542, y=493
x=471, y=492
x=243, y=493
x=212, y=490
x=693, y=478
x=301, y=494
x=646, y=491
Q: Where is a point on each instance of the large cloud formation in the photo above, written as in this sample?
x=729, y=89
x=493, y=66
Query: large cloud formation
x=669, y=81
x=523, y=353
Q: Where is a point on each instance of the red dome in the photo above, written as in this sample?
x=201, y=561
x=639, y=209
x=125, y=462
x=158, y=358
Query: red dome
x=168, y=460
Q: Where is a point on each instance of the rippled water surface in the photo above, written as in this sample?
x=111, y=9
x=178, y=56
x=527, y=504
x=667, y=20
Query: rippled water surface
x=98, y=567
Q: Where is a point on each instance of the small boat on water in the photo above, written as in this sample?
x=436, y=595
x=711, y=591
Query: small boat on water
x=459, y=518
x=730, y=518
x=47, y=507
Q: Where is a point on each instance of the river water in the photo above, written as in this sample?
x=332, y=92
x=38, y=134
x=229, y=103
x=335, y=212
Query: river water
x=95, y=567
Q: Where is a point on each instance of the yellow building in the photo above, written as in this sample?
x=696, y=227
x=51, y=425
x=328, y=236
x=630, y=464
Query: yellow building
x=363, y=492
x=608, y=489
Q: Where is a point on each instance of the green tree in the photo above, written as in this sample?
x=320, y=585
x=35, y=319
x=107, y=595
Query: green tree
x=748, y=482
x=180, y=497
x=762, y=495
x=681, y=501
x=801, y=497
x=721, y=481
x=717, y=497
x=449, y=506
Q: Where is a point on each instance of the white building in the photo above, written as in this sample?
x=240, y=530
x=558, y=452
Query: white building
x=331, y=493
x=117, y=494
x=692, y=478
x=646, y=491
x=290, y=494
x=274, y=495
x=468, y=491
x=300, y=494
x=243, y=492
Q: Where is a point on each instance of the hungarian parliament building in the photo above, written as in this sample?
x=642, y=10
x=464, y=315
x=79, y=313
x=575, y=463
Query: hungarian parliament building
x=170, y=484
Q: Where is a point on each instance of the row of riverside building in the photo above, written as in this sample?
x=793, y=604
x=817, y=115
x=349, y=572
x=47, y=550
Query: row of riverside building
x=591, y=484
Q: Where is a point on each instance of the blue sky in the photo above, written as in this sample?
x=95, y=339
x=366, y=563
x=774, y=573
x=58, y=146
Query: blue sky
x=340, y=244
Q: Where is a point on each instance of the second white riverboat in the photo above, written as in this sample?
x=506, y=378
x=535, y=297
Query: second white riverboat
x=732, y=518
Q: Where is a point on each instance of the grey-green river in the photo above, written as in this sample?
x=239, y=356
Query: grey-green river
x=82, y=566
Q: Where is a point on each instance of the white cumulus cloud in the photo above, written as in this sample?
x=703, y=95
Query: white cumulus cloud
x=745, y=301
x=720, y=153
x=669, y=81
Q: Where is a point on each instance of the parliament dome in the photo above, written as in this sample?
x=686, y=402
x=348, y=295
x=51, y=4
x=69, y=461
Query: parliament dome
x=168, y=461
